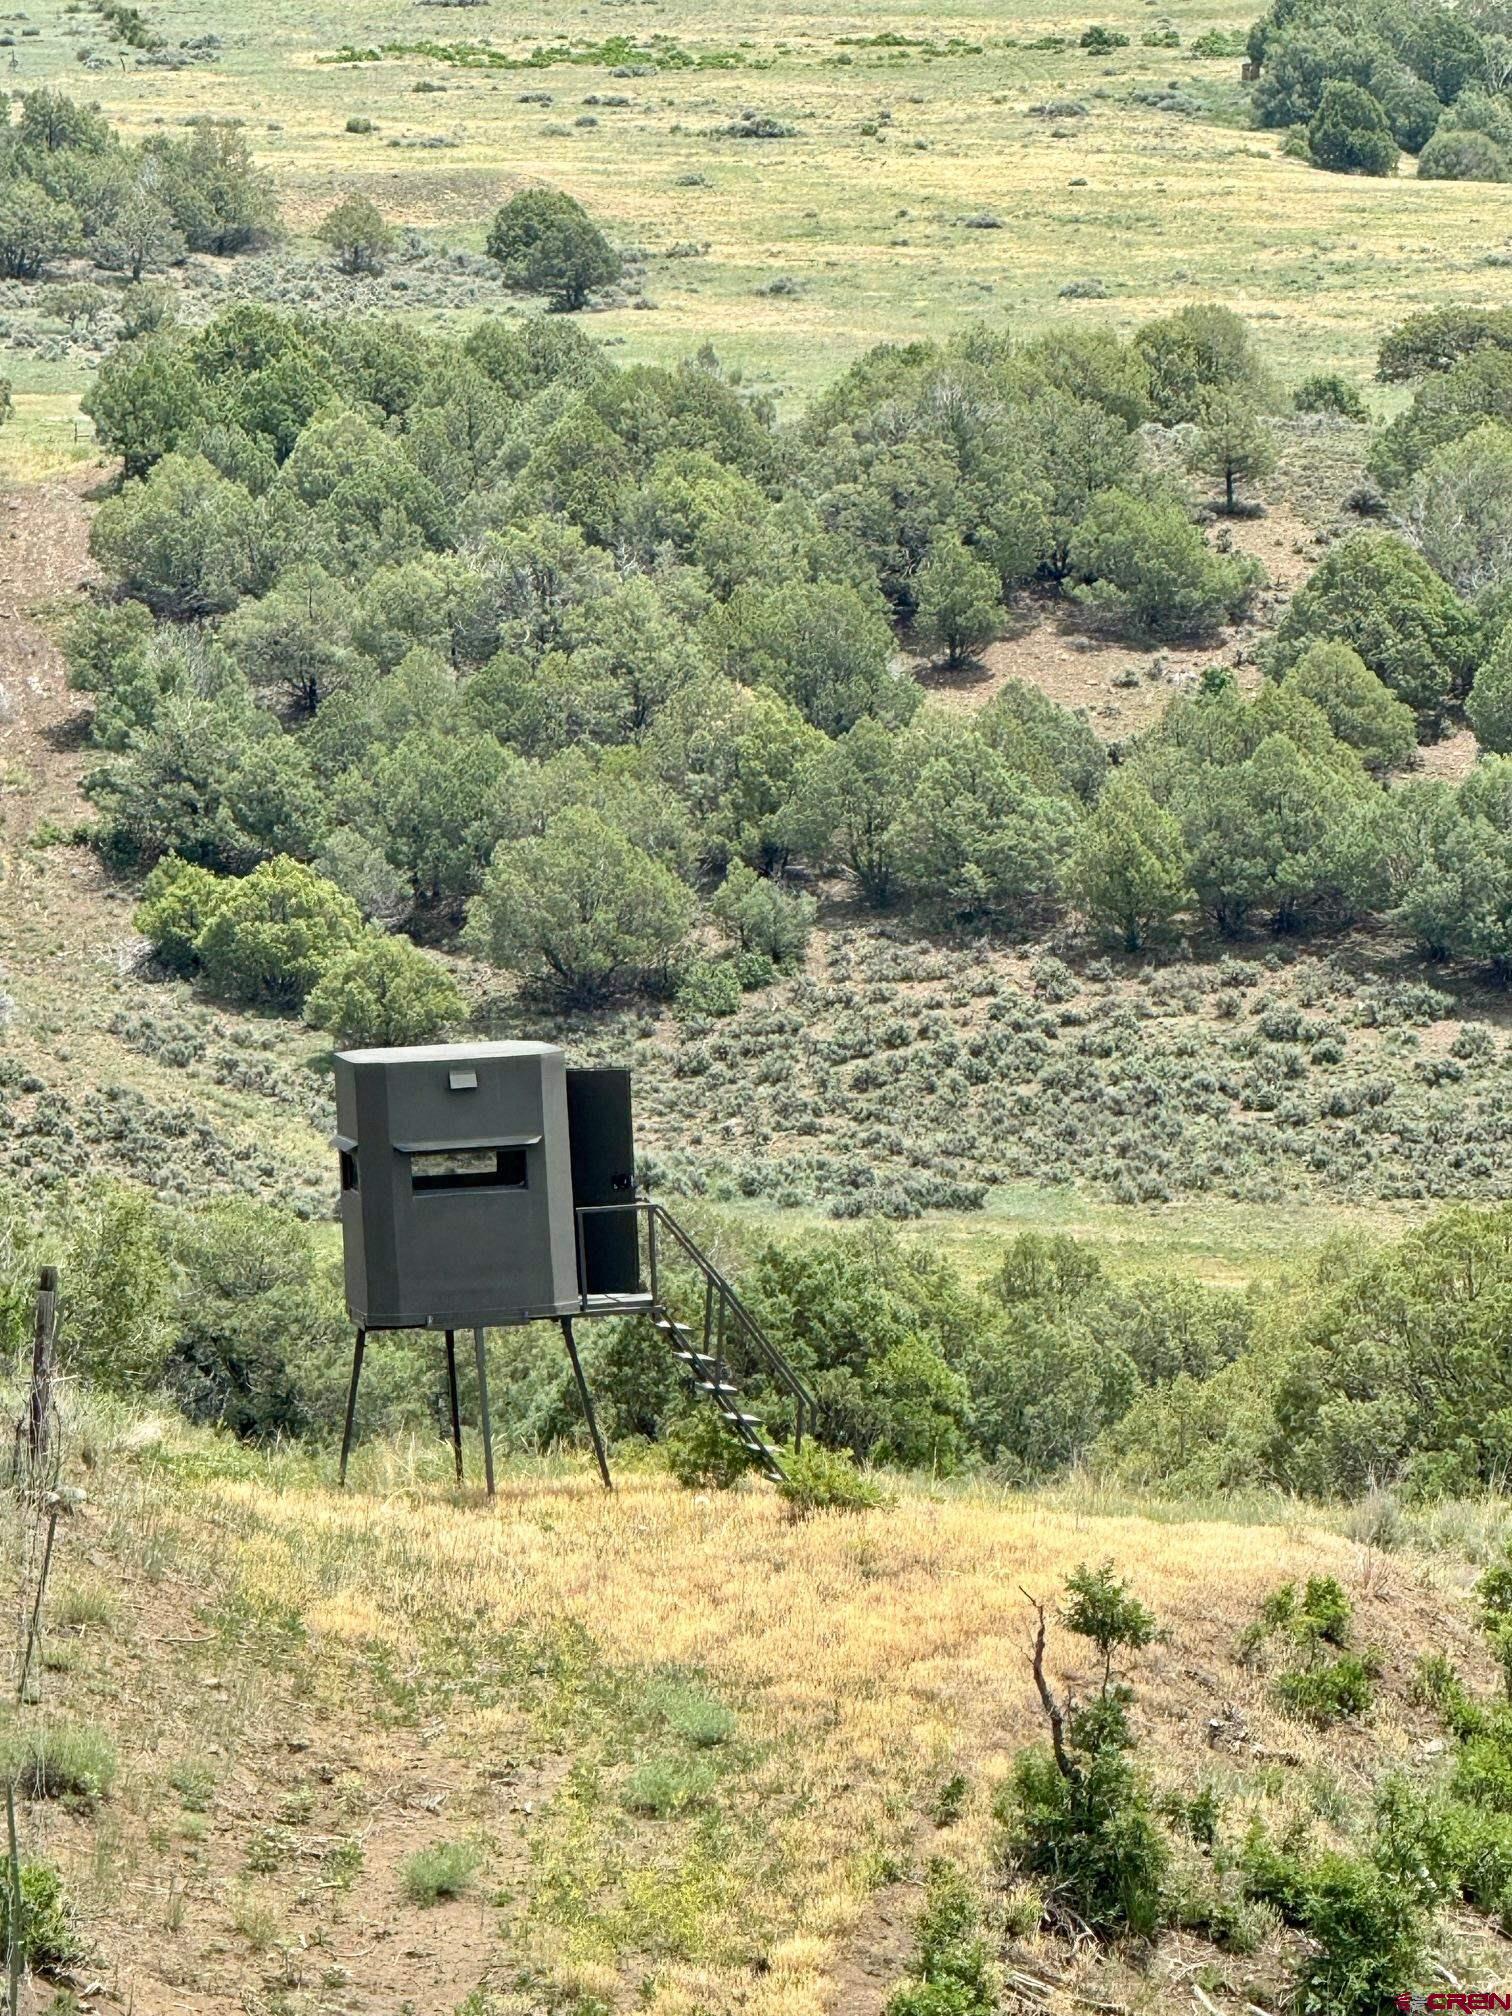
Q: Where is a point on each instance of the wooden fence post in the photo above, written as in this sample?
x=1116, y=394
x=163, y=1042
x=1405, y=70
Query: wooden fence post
x=44, y=1338
x=15, y=1953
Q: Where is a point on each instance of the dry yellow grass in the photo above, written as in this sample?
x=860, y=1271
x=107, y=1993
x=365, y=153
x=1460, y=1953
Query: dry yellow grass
x=867, y=1660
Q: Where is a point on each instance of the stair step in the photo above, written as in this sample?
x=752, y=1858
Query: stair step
x=707, y=1375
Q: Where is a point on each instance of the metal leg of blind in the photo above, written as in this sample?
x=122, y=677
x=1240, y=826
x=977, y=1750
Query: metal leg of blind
x=351, y=1406
x=587, y=1400
x=451, y=1394
x=488, y=1462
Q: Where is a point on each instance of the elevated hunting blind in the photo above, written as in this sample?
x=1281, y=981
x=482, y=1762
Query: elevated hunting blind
x=487, y=1185
x=457, y=1181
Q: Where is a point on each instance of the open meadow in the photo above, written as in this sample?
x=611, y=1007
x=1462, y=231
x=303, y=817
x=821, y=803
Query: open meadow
x=933, y=163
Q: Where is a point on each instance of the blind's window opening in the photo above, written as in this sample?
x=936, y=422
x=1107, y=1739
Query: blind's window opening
x=468, y=1169
x=348, y=1169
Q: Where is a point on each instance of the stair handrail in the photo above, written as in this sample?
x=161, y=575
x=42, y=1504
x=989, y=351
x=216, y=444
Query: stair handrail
x=806, y=1408
x=781, y=1371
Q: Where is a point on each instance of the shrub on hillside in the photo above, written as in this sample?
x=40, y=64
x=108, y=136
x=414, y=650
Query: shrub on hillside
x=1374, y=593
x=703, y=1455
x=178, y=900
x=1144, y=566
x=213, y=782
x=816, y=1479
x=974, y=836
x=1489, y=706
x=1368, y=1928
x=1078, y=1813
x=180, y=537
x=35, y=228
x=443, y=1870
x=1234, y=443
x=358, y=234
x=1362, y=713
x=272, y=935
x=1200, y=350
x=116, y=1326
x=1335, y=1690
x=1459, y=509
x=959, y=606
x=1452, y=400
x=384, y=991
x=1458, y=155
x=1329, y=392
x=261, y=1342
x=1437, y=338
x=951, y=1972
x=47, y=1937
x=759, y=915
x=144, y=401
x=826, y=646
x=1349, y=133
x=582, y=911
x=708, y=989
x=546, y=243
x=1129, y=871
x=60, y=1760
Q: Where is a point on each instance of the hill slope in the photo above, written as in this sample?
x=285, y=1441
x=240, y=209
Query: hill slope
x=696, y=1761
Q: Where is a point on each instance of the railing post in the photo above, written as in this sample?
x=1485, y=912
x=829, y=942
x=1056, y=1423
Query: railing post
x=582, y=1257
x=651, y=1243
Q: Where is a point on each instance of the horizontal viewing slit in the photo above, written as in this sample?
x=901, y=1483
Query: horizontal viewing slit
x=468, y=1169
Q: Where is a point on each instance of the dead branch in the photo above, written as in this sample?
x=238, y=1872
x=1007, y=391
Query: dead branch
x=1053, y=1708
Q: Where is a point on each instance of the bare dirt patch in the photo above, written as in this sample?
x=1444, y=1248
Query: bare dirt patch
x=1452, y=759
x=1123, y=688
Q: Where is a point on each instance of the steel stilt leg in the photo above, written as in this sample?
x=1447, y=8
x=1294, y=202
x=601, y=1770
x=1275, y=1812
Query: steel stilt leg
x=351, y=1406
x=451, y=1394
x=587, y=1400
x=482, y=1356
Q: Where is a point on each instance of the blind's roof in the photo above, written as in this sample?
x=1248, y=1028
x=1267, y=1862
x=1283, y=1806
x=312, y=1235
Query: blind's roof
x=448, y=1053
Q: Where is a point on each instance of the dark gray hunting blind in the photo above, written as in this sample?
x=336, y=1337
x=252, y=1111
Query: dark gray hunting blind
x=486, y=1185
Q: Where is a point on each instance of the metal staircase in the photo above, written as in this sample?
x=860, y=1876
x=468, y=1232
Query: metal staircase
x=726, y=1347
x=708, y=1376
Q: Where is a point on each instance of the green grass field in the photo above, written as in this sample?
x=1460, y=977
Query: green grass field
x=1134, y=171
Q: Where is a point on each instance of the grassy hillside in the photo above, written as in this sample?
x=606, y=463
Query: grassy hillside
x=1260, y=1149
x=686, y=1755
